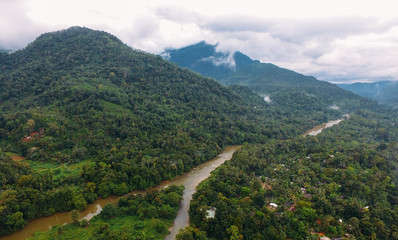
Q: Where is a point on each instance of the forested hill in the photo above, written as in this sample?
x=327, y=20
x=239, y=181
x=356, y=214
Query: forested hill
x=294, y=94
x=83, y=115
x=81, y=92
x=384, y=92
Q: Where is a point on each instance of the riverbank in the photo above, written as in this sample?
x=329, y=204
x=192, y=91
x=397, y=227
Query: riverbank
x=190, y=180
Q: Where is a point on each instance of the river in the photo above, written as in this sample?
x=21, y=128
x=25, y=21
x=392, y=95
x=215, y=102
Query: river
x=190, y=180
x=318, y=129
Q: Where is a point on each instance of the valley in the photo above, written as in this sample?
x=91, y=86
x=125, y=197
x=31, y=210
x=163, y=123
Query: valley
x=189, y=180
x=84, y=117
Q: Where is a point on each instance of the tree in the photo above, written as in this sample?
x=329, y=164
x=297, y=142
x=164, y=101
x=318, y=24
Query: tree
x=60, y=230
x=159, y=226
x=15, y=221
x=75, y=214
x=84, y=222
x=173, y=199
x=191, y=233
x=90, y=186
x=109, y=211
x=233, y=232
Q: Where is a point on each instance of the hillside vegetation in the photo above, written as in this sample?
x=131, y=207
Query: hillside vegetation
x=383, y=92
x=134, y=217
x=89, y=117
x=342, y=183
x=290, y=94
x=86, y=116
x=83, y=115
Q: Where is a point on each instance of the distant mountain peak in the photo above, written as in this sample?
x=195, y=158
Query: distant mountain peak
x=385, y=92
x=278, y=85
x=206, y=60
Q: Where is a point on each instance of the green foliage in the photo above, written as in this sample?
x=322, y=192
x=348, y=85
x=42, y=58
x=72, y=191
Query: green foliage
x=93, y=110
x=108, y=211
x=16, y=221
x=75, y=216
x=294, y=97
x=107, y=119
x=159, y=226
x=173, y=199
x=10, y=171
x=95, y=118
x=233, y=231
x=342, y=181
x=191, y=233
x=121, y=221
x=84, y=223
x=384, y=92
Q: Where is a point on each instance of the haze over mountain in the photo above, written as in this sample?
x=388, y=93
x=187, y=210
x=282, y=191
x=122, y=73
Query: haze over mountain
x=286, y=88
x=384, y=92
x=204, y=59
x=310, y=37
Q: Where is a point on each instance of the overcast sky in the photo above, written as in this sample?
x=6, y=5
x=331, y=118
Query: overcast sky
x=334, y=40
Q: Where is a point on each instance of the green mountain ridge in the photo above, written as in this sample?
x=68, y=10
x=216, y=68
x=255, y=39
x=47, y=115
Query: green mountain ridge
x=83, y=115
x=384, y=92
x=65, y=76
x=93, y=117
x=340, y=184
x=102, y=114
x=297, y=94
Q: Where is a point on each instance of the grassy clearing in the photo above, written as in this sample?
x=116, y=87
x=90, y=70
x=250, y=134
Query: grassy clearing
x=60, y=170
x=38, y=166
x=115, y=108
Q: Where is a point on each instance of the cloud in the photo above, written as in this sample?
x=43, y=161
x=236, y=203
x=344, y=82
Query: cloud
x=267, y=99
x=227, y=61
x=335, y=41
x=177, y=14
x=16, y=29
x=332, y=49
x=365, y=57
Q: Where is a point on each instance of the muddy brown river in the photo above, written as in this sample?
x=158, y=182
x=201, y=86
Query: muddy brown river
x=190, y=180
x=318, y=129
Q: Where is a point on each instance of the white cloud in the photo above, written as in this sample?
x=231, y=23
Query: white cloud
x=227, y=61
x=335, y=40
x=16, y=29
x=267, y=99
